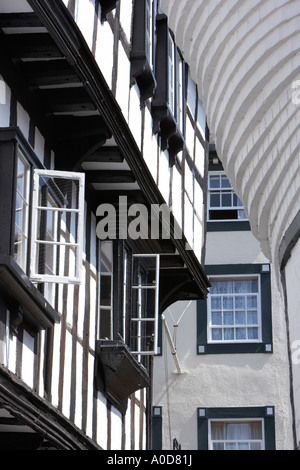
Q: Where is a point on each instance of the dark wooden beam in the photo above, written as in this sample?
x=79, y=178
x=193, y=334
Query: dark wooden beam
x=52, y=72
x=109, y=176
x=19, y=20
x=106, y=154
x=68, y=127
x=65, y=100
x=32, y=46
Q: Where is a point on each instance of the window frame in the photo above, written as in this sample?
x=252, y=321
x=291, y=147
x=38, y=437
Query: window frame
x=26, y=214
x=265, y=413
x=139, y=319
x=240, y=347
x=235, y=325
x=220, y=209
x=235, y=421
x=68, y=175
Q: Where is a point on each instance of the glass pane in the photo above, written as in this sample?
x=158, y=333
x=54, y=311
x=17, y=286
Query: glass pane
x=228, y=334
x=228, y=318
x=106, y=257
x=255, y=445
x=216, y=318
x=226, y=200
x=215, y=303
x=256, y=429
x=252, y=318
x=214, y=181
x=216, y=334
x=217, y=431
x=221, y=287
x=243, y=446
x=251, y=301
x=230, y=446
x=215, y=200
x=240, y=302
x=252, y=333
x=225, y=182
x=105, y=323
x=240, y=333
x=228, y=302
x=240, y=318
x=218, y=446
x=105, y=291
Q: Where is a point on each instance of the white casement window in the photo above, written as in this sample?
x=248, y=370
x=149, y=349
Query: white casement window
x=236, y=435
x=106, y=290
x=223, y=203
x=234, y=312
x=22, y=211
x=144, y=321
x=57, y=226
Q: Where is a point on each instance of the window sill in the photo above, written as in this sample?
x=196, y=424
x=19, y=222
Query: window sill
x=224, y=226
x=24, y=298
x=235, y=348
x=117, y=373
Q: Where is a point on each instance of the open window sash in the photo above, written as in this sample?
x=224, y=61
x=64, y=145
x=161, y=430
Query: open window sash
x=57, y=226
x=145, y=321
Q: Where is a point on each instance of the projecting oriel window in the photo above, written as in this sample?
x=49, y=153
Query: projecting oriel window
x=223, y=203
x=57, y=226
x=234, y=310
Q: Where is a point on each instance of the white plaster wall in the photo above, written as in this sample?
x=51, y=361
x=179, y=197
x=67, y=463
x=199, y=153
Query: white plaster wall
x=222, y=380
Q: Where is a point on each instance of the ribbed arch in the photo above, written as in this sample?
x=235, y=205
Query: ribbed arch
x=244, y=57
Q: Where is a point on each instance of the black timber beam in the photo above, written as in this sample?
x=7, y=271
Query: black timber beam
x=65, y=100
x=107, y=176
x=106, y=154
x=32, y=46
x=52, y=72
x=19, y=20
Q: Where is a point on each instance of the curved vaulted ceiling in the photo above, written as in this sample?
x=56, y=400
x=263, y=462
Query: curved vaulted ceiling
x=245, y=58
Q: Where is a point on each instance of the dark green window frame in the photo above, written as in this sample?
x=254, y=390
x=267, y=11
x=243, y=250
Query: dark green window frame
x=265, y=346
x=267, y=413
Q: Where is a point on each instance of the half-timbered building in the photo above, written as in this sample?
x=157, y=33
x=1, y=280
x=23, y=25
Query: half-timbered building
x=102, y=135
